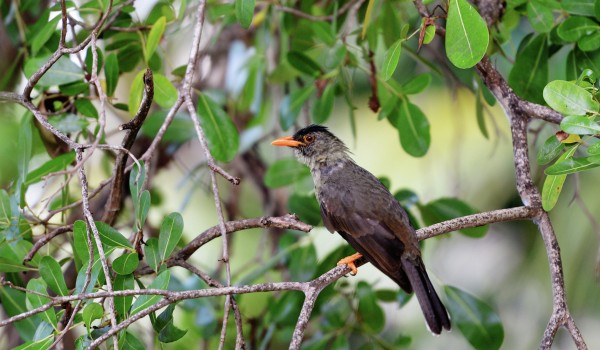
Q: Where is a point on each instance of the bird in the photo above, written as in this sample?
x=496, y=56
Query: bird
x=362, y=210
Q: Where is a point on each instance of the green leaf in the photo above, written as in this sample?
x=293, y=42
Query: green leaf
x=157, y=31
x=406, y=198
x=573, y=165
x=42, y=36
x=43, y=332
x=285, y=172
x=550, y=150
x=324, y=106
x=143, y=208
x=165, y=94
x=36, y=300
x=122, y=304
x=14, y=303
x=171, y=231
x=81, y=275
x=167, y=332
x=306, y=207
x=129, y=56
x=51, y=166
x=413, y=129
x=129, y=341
x=579, y=125
x=551, y=190
x=529, y=74
x=590, y=42
x=144, y=301
x=7, y=265
x=390, y=60
x=221, y=134
x=244, y=11
x=53, y=276
x=373, y=318
x=5, y=210
x=466, y=34
x=282, y=311
x=594, y=149
x=417, y=84
x=575, y=27
x=292, y=104
x=89, y=60
x=125, y=264
x=450, y=208
x=69, y=123
x=323, y=31
x=80, y=241
x=161, y=8
x=569, y=99
x=111, y=73
x=367, y=20
x=24, y=147
x=62, y=72
x=151, y=253
x=86, y=107
x=540, y=16
x=578, y=7
x=137, y=177
x=304, y=64
x=136, y=91
x=180, y=130
x=475, y=319
x=161, y=321
x=429, y=34
x=586, y=60
x=36, y=345
x=111, y=237
x=92, y=312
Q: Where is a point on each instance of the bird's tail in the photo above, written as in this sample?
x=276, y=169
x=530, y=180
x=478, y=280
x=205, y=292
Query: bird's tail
x=434, y=311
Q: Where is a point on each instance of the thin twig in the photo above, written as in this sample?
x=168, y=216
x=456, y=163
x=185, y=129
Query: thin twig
x=92, y=225
x=308, y=16
x=113, y=203
x=240, y=343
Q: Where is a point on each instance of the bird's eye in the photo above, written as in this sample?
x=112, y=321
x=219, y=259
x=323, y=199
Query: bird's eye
x=309, y=138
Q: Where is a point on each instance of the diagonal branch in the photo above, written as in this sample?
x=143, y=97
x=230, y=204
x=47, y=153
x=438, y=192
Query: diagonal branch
x=92, y=226
x=519, y=113
x=113, y=203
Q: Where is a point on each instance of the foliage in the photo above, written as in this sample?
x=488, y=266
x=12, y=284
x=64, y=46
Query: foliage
x=287, y=64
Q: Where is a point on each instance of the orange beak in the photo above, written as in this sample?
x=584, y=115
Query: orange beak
x=287, y=141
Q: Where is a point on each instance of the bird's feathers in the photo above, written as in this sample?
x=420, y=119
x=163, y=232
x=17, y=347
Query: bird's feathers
x=363, y=211
x=370, y=219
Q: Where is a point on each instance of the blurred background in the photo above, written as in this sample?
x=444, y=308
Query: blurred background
x=507, y=268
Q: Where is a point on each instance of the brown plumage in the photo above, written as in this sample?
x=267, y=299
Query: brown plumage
x=361, y=209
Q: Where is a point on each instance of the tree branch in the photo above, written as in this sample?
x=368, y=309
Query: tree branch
x=519, y=113
x=479, y=219
x=92, y=226
x=113, y=203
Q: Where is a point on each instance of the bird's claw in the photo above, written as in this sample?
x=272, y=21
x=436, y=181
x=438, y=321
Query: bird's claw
x=349, y=261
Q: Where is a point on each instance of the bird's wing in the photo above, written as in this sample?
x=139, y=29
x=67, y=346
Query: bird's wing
x=357, y=213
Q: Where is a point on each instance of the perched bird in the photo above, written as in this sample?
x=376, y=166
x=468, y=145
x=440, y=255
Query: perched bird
x=361, y=209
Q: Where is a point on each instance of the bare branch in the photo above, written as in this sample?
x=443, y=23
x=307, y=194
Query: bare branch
x=113, y=203
x=92, y=225
x=289, y=222
x=479, y=219
x=310, y=298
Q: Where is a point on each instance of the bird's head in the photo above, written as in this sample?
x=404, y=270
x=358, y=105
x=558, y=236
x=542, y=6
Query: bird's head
x=315, y=145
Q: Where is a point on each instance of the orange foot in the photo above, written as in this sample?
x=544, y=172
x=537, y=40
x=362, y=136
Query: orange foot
x=349, y=261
